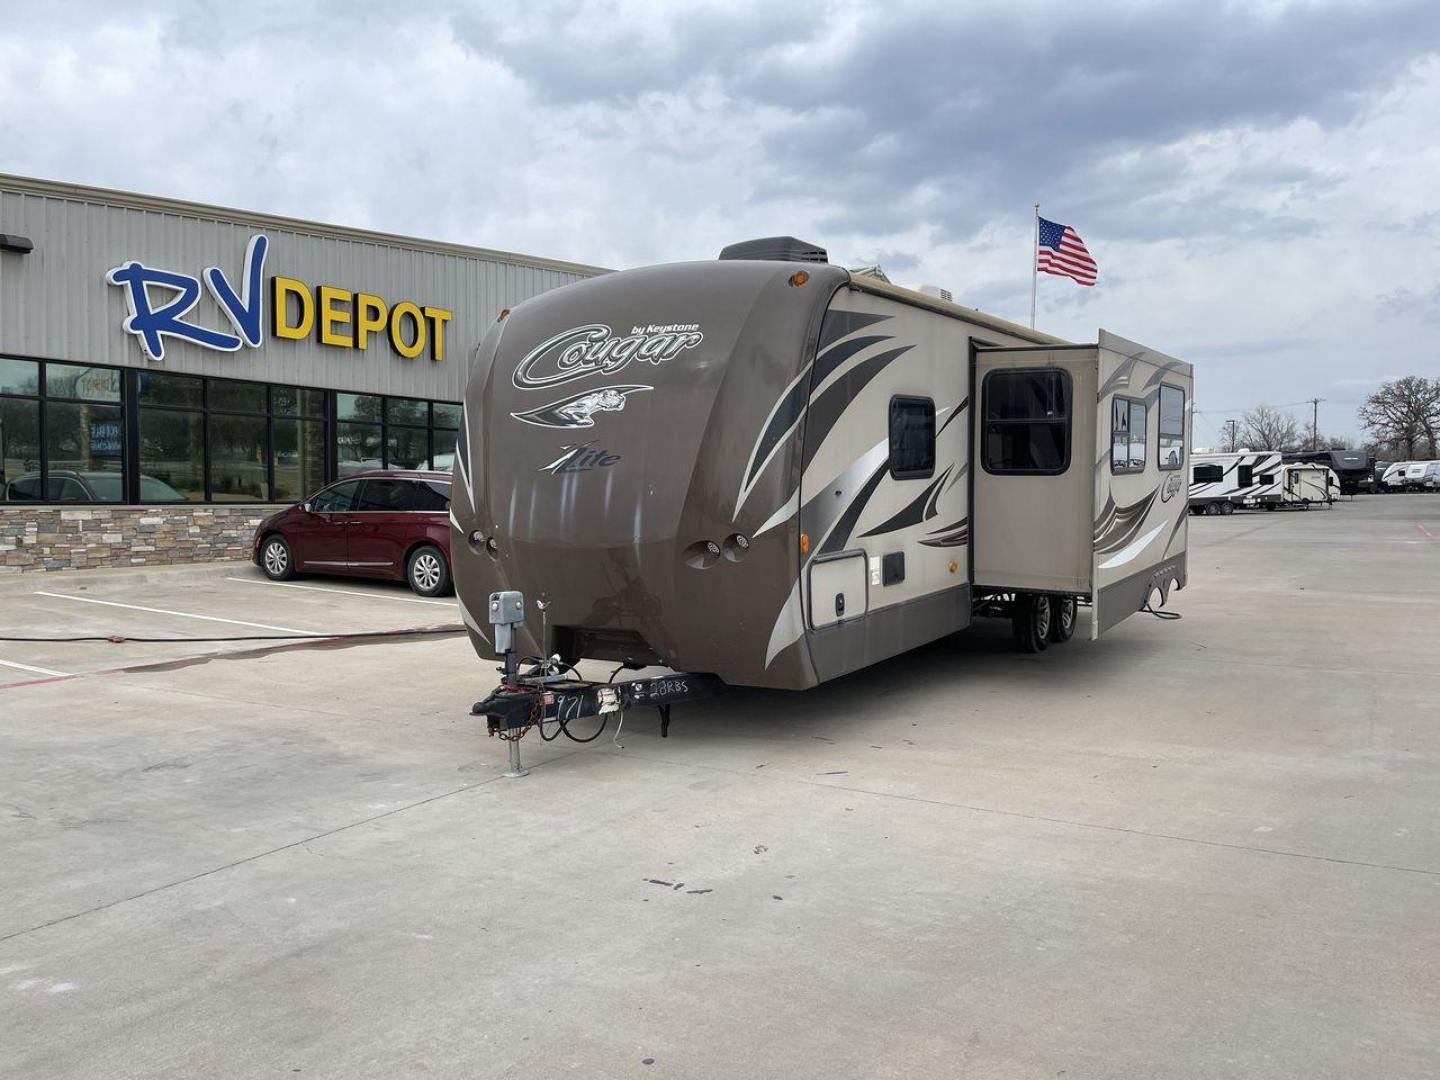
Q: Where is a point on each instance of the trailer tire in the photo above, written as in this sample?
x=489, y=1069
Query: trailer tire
x=1212, y=509
x=1030, y=618
x=1064, y=611
x=1227, y=507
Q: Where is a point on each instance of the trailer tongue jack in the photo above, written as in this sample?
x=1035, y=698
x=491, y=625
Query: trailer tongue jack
x=545, y=693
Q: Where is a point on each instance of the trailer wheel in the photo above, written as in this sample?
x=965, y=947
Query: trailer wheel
x=1030, y=617
x=1212, y=509
x=1065, y=611
x=1227, y=507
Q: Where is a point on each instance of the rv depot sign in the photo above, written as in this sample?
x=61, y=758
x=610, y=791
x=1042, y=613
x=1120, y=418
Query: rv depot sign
x=336, y=316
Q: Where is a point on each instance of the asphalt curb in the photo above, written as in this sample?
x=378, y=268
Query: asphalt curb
x=35, y=580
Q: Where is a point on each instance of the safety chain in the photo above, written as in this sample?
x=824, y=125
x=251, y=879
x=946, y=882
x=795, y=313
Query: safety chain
x=535, y=698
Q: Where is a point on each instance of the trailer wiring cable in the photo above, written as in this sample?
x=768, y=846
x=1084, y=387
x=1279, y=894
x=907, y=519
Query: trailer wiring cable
x=1169, y=616
x=118, y=639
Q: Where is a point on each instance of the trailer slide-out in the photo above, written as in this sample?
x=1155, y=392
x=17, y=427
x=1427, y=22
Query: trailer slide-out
x=768, y=472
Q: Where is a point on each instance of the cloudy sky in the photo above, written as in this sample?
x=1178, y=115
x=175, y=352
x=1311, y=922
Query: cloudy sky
x=1259, y=182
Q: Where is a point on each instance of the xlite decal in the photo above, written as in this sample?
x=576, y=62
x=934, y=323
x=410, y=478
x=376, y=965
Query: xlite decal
x=580, y=458
x=578, y=410
x=595, y=349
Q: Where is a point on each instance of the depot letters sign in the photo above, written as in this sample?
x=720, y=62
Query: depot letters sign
x=160, y=303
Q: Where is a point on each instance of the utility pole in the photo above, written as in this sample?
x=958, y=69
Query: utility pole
x=1234, y=436
x=1315, y=423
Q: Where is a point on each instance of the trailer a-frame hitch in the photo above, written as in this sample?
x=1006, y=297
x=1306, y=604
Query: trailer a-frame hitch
x=551, y=693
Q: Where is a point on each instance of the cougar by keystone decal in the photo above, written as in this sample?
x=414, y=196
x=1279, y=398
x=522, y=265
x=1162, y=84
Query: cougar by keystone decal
x=594, y=349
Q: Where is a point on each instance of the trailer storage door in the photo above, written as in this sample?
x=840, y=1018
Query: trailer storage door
x=1034, y=487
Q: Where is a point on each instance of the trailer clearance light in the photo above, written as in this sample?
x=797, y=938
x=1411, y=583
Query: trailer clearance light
x=799, y=277
x=804, y=543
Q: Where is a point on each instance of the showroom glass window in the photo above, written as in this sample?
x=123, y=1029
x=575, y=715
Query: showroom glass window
x=300, y=444
x=79, y=433
x=84, y=434
x=20, y=462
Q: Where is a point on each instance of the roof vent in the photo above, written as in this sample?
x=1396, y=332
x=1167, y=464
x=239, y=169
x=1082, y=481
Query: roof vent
x=937, y=292
x=775, y=249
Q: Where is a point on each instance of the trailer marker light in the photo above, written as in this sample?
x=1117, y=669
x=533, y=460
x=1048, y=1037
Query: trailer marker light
x=804, y=543
x=799, y=277
x=954, y=566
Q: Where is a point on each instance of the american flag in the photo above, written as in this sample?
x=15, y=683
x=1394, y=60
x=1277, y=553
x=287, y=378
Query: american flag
x=1062, y=252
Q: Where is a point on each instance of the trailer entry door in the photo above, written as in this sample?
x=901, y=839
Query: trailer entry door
x=1034, y=487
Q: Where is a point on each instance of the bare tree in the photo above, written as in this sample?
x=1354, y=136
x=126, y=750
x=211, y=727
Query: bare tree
x=1230, y=436
x=1270, y=429
x=1406, y=414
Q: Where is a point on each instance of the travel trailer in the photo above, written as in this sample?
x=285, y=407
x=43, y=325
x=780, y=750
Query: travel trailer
x=1351, y=467
x=1303, y=485
x=1223, y=483
x=770, y=471
x=1410, y=476
x=1393, y=477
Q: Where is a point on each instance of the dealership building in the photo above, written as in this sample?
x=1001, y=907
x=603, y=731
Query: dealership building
x=170, y=372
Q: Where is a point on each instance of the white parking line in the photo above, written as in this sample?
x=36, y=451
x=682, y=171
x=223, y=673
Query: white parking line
x=166, y=611
x=347, y=592
x=27, y=667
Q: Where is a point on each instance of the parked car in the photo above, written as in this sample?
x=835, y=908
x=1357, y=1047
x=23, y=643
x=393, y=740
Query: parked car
x=69, y=485
x=393, y=525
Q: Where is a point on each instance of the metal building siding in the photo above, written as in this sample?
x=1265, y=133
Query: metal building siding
x=56, y=304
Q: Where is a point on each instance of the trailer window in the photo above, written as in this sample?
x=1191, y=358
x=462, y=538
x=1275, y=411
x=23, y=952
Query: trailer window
x=1127, y=435
x=1172, y=427
x=1208, y=474
x=1027, y=422
x=912, y=438
x=1245, y=476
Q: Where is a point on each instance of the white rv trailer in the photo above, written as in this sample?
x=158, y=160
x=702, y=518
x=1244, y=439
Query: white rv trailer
x=1223, y=483
x=1303, y=485
x=1412, y=476
x=1393, y=479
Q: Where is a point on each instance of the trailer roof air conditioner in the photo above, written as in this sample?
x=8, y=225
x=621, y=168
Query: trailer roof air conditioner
x=776, y=249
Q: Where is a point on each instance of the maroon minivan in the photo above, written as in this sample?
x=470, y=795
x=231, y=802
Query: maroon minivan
x=373, y=524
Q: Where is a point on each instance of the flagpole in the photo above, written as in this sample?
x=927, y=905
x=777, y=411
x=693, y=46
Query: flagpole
x=1034, y=259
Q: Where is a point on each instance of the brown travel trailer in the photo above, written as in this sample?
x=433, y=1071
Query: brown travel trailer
x=771, y=472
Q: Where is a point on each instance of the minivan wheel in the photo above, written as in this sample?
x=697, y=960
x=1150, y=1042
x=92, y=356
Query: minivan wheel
x=1031, y=619
x=276, y=559
x=427, y=573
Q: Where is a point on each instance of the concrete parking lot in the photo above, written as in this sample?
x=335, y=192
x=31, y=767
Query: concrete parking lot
x=1204, y=848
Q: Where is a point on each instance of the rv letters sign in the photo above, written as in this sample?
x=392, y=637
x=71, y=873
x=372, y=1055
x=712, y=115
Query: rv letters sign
x=160, y=302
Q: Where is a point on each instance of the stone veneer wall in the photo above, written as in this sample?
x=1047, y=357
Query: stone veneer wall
x=75, y=537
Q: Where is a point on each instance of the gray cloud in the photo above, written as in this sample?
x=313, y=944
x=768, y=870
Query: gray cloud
x=988, y=105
